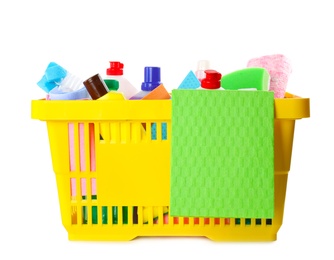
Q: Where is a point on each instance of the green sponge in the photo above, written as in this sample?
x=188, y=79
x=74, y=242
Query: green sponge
x=222, y=154
x=248, y=78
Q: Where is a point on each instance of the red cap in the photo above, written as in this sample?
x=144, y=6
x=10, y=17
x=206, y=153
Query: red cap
x=211, y=80
x=116, y=68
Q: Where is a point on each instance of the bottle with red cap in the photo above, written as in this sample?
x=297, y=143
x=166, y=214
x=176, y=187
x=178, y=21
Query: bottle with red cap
x=202, y=65
x=115, y=72
x=211, y=80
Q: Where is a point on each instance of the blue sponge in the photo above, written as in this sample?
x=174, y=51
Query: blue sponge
x=54, y=72
x=52, y=77
x=190, y=82
x=45, y=85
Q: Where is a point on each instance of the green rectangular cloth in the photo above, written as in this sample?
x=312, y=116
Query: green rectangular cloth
x=222, y=154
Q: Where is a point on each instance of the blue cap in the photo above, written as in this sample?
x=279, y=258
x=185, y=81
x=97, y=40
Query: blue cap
x=151, y=78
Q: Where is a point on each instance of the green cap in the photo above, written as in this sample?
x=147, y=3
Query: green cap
x=112, y=84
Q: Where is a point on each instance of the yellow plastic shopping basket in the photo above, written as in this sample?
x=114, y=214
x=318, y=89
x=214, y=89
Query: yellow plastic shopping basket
x=108, y=164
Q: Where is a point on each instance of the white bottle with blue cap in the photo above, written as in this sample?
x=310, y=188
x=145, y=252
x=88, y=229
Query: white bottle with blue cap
x=152, y=79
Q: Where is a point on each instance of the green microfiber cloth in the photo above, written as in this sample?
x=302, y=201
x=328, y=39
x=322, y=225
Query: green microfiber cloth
x=222, y=154
x=248, y=78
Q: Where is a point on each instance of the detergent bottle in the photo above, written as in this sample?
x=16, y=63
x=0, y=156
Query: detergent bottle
x=211, y=80
x=115, y=72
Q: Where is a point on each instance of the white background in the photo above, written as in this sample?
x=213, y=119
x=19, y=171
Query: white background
x=82, y=36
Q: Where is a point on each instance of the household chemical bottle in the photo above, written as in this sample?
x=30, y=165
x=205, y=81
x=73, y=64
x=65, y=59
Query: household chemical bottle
x=152, y=77
x=211, y=80
x=112, y=84
x=202, y=65
x=115, y=71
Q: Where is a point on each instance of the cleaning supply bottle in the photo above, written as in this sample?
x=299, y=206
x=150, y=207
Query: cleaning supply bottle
x=152, y=79
x=202, y=65
x=151, y=89
x=112, y=84
x=115, y=71
x=211, y=80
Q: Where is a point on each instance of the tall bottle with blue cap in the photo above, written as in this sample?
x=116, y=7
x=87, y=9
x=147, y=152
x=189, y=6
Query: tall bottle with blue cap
x=152, y=79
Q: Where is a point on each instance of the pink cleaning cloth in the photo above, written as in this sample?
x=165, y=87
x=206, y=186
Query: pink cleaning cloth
x=279, y=69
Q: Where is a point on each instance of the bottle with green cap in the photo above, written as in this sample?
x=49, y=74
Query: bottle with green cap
x=112, y=84
x=115, y=72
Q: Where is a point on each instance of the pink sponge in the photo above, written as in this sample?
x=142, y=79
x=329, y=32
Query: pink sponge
x=279, y=69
